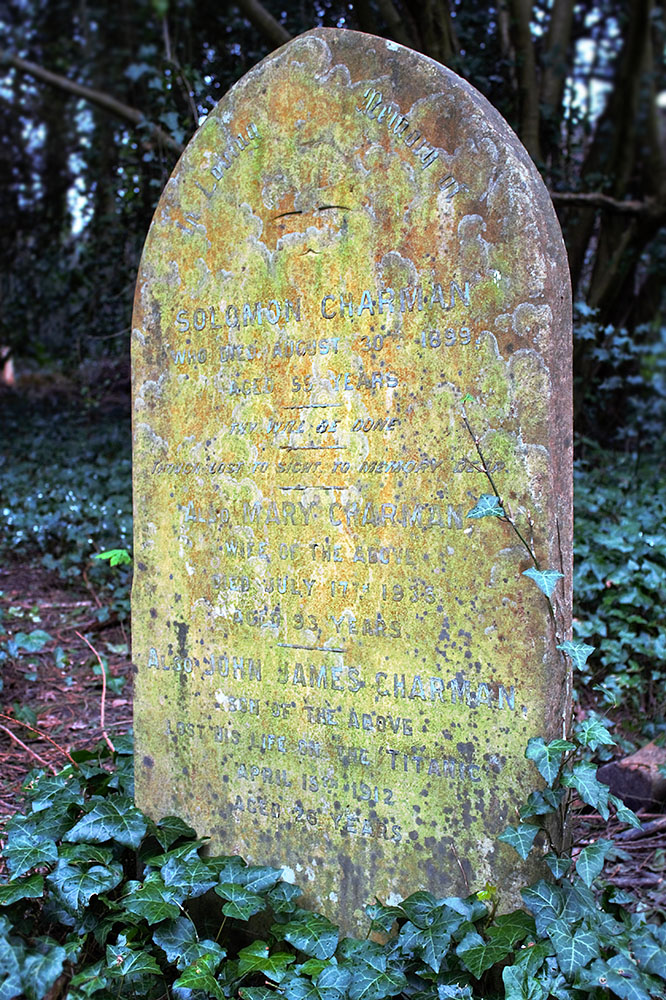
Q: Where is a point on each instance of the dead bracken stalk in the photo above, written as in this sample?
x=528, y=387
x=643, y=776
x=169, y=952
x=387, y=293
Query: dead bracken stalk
x=93, y=593
x=18, y=722
x=102, y=707
x=35, y=756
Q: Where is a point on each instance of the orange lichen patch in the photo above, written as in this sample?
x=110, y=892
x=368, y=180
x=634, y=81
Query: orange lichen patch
x=354, y=282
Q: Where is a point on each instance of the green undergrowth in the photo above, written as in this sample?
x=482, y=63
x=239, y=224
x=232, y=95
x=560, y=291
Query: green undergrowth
x=620, y=519
x=620, y=578
x=65, y=495
x=109, y=904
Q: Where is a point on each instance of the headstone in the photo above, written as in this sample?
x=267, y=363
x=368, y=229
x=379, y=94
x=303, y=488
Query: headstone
x=354, y=293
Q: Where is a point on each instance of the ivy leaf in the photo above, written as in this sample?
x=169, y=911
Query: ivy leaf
x=558, y=866
x=76, y=885
x=548, y=756
x=178, y=940
x=123, y=961
x=229, y=868
x=51, y=823
x=511, y=927
x=481, y=957
x=521, y=838
x=418, y=907
x=332, y=980
x=574, y=950
x=578, y=651
x=259, y=878
x=487, y=506
x=584, y=779
x=257, y=958
x=86, y=854
x=592, y=733
x=619, y=975
x=650, y=951
x=541, y=803
x=281, y=898
x=11, y=957
x=52, y=789
x=170, y=829
x=41, y=970
x=199, y=976
x=312, y=967
x=110, y=819
x=33, y=642
x=545, y=579
x=31, y=887
x=370, y=983
x=25, y=849
x=545, y=902
x=311, y=933
x=263, y=993
x=90, y=980
x=472, y=908
x=520, y=985
x=241, y=903
x=383, y=917
x=579, y=903
x=590, y=861
x=295, y=987
x=532, y=959
x=151, y=899
x=453, y=991
x=470, y=939
x=184, y=852
x=624, y=813
x=188, y=877
x=434, y=939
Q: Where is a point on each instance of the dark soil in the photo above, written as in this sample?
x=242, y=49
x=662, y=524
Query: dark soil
x=52, y=703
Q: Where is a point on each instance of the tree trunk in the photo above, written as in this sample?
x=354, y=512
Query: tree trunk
x=434, y=27
x=521, y=16
x=556, y=62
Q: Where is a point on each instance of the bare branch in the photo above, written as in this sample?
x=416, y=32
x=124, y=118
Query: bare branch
x=33, y=754
x=262, y=19
x=595, y=199
x=97, y=97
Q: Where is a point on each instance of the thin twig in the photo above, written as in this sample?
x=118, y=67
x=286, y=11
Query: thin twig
x=103, y=704
x=91, y=589
x=462, y=870
x=39, y=732
x=507, y=518
x=32, y=753
x=486, y=471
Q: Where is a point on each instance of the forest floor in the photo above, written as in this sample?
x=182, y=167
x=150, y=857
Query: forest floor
x=52, y=702
x=55, y=703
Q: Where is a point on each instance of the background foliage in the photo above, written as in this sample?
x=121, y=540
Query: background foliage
x=87, y=150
